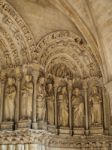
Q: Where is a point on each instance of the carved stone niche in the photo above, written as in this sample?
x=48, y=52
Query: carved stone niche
x=95, y=102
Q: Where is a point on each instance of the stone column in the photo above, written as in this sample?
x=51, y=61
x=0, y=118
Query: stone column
x=86, y=108
x=34, y=111
x=17, y=103
x=105, y=112
x=108, y=106
x=2, y=99
x=56, y=108
x=70, y=105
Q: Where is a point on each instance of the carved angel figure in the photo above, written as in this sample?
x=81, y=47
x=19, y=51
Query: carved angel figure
x=50, y=103
x=41, y=103
x=95, y=101
x=10, y=95
x=26, y=98
x=78, y=108
x=63, y=107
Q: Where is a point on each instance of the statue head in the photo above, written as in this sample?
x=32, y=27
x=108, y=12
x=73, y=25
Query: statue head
x=50, y=86
x=64, y=90
x=28, y=78
x=10, y=81
x=77, y=91
x=94, y=90
x=41, y=80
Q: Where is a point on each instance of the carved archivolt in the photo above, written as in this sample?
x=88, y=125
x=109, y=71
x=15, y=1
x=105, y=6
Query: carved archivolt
x=16, y=36
x=67, y=47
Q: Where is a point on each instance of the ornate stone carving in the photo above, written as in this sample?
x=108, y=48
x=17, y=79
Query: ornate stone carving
x=50, y=103
x=10, y=95
x=41, y=103
x=63, y=106
x=96, y=107
x=78, y=108
x=26, y=98
x=16, y=36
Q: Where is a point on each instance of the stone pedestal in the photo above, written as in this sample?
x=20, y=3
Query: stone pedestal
x=96, y=130
x=78, y=131
x=24, y=124
x=64, y=130
x=51, y=128
x=42, y=125
x=7, y=126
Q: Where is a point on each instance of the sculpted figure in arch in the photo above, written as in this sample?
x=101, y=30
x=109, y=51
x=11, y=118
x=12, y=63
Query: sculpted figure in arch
x=78, y=108
x=26, y=98
x=95, y=101
x=41, y=103
x=10, y=96
x=63, y=107
x=50, y=103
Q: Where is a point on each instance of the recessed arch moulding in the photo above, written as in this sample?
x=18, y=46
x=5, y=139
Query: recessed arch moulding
x=43, y=84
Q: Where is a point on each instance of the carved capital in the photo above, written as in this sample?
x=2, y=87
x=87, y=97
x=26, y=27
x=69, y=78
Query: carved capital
x=85, y=86
x=18, y=73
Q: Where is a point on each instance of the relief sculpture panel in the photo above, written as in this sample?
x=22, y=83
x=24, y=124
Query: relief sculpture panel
x=26, y=97
x=78, y=108
x=10, y=96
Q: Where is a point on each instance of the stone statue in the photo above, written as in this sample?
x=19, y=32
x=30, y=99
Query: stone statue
x=95, y=102
x=63, y=107
x=26, y=98
x=50, y=103
x=78, y=108
x=10, y=96
x=41, y=103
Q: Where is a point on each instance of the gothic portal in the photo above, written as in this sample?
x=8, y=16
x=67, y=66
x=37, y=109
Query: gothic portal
x=55, y=90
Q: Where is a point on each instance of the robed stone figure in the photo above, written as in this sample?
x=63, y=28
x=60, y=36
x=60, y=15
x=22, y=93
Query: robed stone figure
x=63, y=107
x=78, y=108
x=96, y=107
x=26, y=98
x=10, y=96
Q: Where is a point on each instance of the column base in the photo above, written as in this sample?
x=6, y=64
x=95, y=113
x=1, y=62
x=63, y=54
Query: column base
x=24, y=124
x=64, y=130
x=34, y=125
x=87, y=132
x=7, y=126
x=51, y=128
x=42, y=125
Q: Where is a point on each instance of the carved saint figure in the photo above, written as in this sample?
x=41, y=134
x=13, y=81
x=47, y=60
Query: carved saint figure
x=78, y=108
x=41, y=103
x=10, y=95
x=95, y=101
x=50, y=103
x=26, y=98
x=63, y=107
